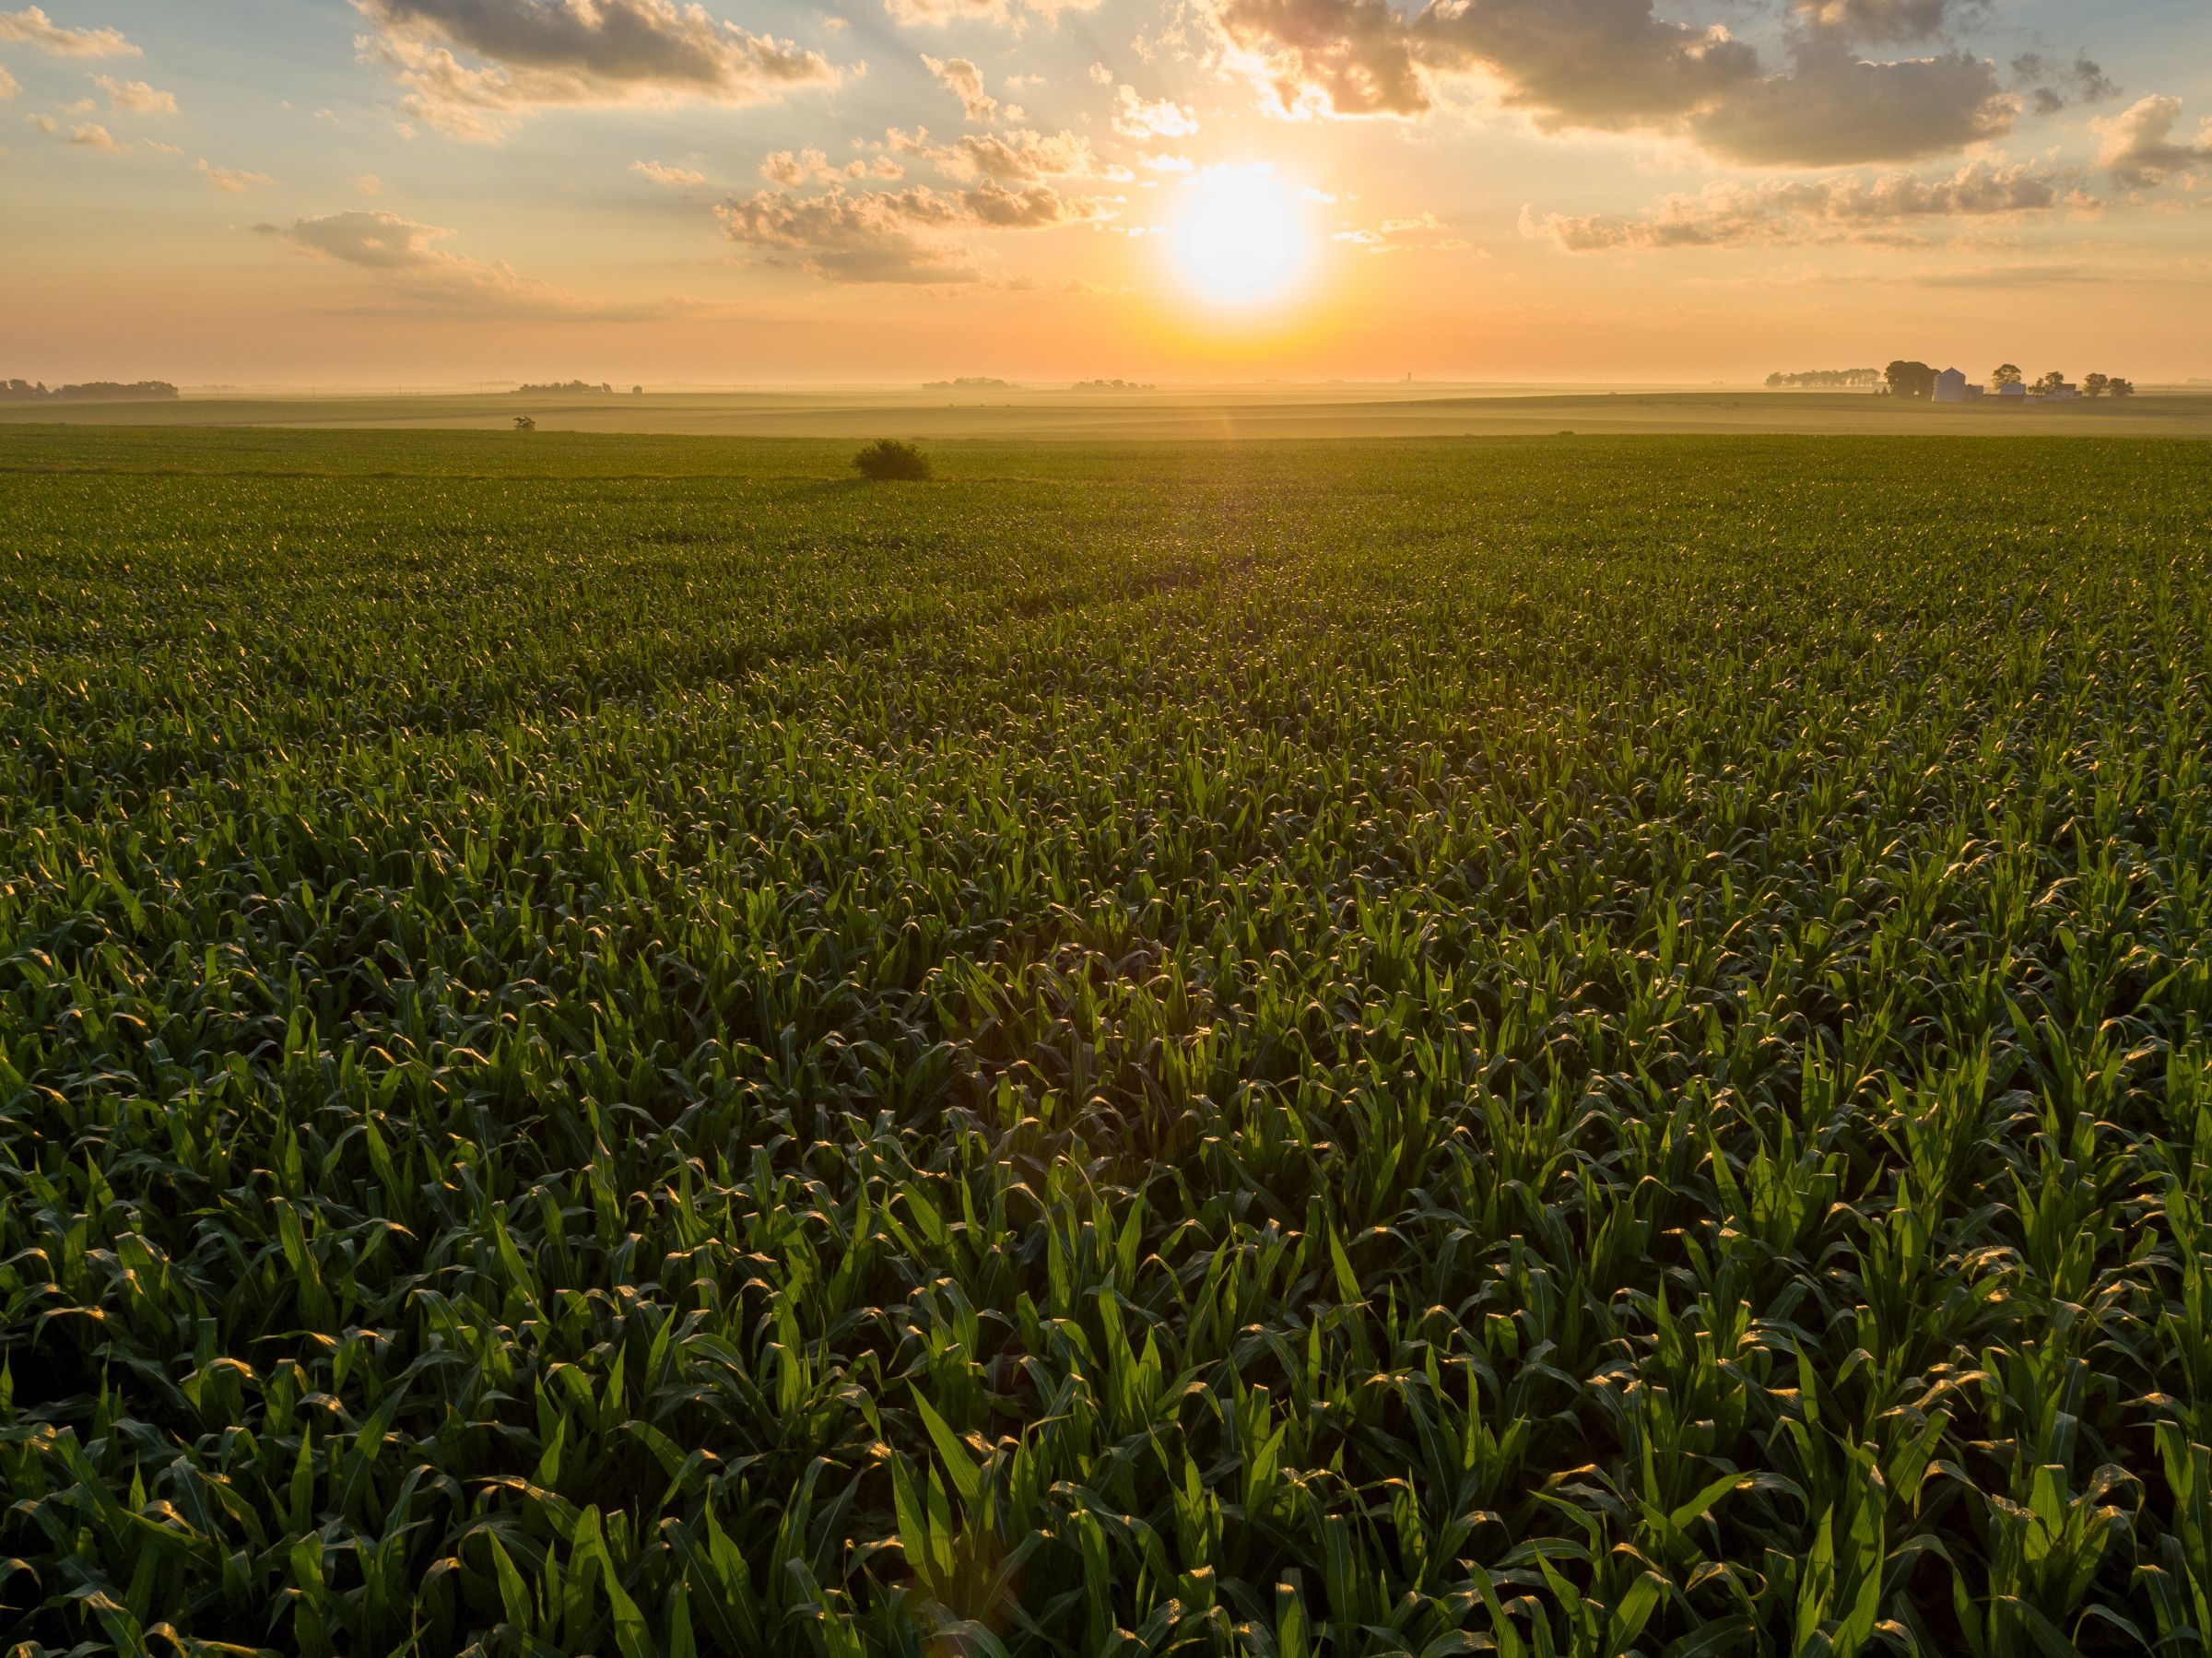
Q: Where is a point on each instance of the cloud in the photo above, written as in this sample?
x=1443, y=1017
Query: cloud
x=32, y=26
x=1606, y=63
x=2139, y=146
x=231, y=180
x=938, y=13
x=1798, y=212
x=1101, y=75
x=1018, y=156
x=1618, y=65
x=2003, y=275
x=876, y=236
x=575, y=53
x=8, y=87
x=965, y=82
x=1334, y=57
x=1832, y=109
x=410, y=269
x=814, y=167
x=1134, y=117
x=369, y=184
x=135, y=96
x=91, y=135
x=676, y=178
x=1399, y=235
x=1882, y=19
x=2051, y=85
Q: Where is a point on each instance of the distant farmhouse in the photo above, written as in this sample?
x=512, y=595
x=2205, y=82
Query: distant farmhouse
x=2007, y=385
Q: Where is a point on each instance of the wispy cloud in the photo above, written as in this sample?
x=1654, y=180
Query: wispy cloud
x=675, y=177
x=875, y=236
x=410, y=269
x=135, y=96
x=1795, y=212
x=32, y=26
x=231, y=180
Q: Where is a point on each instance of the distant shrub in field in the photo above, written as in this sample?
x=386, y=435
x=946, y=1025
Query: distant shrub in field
x=889, y=458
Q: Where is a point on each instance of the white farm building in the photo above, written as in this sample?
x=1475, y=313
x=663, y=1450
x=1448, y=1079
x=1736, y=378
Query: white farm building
x=1951, y=386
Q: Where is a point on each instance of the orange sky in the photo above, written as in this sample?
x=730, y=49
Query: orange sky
x=437, y=192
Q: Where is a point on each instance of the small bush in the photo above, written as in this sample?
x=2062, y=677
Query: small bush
x=889, y=458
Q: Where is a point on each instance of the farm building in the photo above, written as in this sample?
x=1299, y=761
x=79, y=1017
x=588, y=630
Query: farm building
x=1951, y=387
x=2012, y=388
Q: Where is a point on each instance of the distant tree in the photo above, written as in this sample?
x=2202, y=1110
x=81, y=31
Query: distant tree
x=1910, y=380
x=2093, y=385
x=636, y=391
x=525, y=423
x=2049, y=383
x=2006, y=374
x=2121, y=388
x=889, y=458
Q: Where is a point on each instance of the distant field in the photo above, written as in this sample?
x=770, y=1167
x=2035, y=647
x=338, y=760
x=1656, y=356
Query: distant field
x=1170, y=416
x=1536, y=1045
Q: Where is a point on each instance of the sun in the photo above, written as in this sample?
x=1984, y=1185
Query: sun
x=1240, y=235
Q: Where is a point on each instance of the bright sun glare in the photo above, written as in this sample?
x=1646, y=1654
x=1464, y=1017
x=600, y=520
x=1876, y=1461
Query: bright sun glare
x=1240, y=234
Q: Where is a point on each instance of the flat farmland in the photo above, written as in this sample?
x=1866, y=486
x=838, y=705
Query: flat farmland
x=1541, y=1045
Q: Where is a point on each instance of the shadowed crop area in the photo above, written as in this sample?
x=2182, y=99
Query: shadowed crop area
x=1543, y=1046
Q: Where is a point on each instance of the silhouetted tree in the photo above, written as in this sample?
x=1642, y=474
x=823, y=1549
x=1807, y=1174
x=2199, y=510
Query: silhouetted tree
x=2092, y=385
x=2049, y=383
x=1910, y=380
x=2006, y=374
x=2122, y=388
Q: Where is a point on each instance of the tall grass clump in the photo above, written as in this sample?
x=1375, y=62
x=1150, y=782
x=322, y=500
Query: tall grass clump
x=891, y=459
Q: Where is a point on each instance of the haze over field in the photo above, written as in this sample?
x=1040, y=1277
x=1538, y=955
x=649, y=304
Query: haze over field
x=762, y=190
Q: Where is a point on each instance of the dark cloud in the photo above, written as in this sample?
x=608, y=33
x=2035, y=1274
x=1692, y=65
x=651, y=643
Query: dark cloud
x=545, y=53
x=1798, y=212
x=1834, y=109
x=1607, y=63
x=1336, y=58
x=893, y=236
x=2051, y=85
x=1619, y=65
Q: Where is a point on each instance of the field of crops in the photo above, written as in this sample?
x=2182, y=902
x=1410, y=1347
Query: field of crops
x=1554, y=1046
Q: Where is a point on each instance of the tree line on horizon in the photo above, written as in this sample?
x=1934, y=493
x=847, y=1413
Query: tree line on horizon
x=96, y=391
x=1826, y=379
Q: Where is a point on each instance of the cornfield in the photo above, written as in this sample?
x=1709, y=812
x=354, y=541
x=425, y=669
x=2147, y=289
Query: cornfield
x=1552, y=1047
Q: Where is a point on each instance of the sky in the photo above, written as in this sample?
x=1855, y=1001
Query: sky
x=435, y=193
